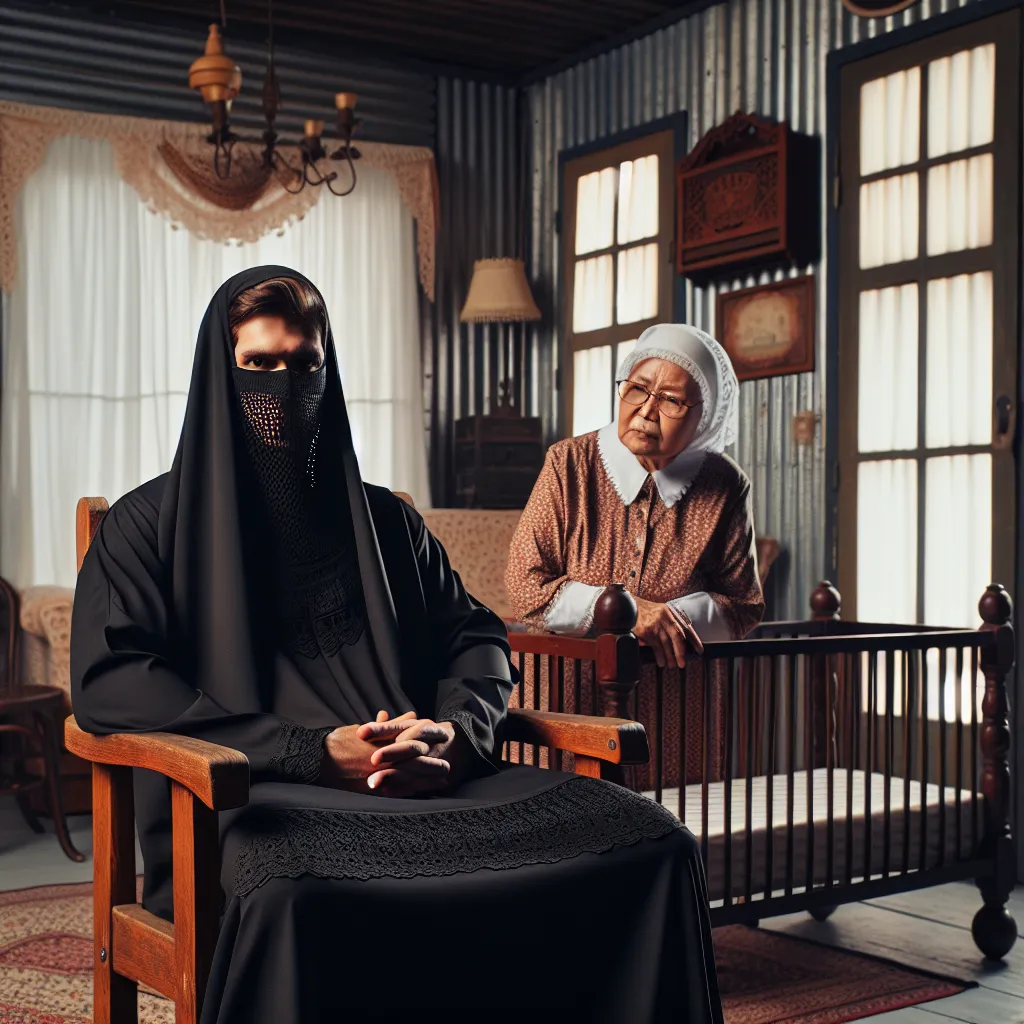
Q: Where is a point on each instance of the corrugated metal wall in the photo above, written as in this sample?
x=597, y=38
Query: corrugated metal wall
x=55, y=56
x=760, y=56
x=480, y=160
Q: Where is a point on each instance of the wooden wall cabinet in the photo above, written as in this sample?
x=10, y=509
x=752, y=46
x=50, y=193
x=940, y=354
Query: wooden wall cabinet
x=749, y=194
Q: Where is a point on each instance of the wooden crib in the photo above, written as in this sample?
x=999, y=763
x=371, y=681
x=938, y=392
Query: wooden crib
x=860, y=759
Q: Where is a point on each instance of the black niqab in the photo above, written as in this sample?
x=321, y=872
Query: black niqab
x=221, y=582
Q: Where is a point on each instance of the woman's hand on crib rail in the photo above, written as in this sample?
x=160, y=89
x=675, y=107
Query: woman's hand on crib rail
x=666, y=631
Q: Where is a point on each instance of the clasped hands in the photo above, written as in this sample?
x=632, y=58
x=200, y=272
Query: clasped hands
x=403, y=756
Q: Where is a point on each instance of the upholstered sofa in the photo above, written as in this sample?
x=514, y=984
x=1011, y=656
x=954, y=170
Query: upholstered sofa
x=477, y=543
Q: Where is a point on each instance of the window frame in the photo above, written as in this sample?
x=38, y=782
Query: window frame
x=849, y=279
x=670, y=139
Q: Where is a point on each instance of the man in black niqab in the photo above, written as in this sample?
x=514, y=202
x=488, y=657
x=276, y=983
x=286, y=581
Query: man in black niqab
x=262, y=596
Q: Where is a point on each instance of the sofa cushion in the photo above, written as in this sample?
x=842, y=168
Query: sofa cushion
x=477, y=542
x=46, y=636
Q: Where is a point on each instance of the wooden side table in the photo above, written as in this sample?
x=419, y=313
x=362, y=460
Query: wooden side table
x=33, y=713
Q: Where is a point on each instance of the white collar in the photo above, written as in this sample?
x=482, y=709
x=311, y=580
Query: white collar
x=628, y=476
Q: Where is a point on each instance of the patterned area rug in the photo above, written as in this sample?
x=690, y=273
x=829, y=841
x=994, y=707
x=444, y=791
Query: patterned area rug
x=46, y=971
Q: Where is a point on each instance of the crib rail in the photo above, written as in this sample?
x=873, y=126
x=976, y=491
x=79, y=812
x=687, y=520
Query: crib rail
x=815, y=761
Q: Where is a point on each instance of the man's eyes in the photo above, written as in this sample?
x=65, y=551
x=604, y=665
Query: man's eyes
x=267, y=362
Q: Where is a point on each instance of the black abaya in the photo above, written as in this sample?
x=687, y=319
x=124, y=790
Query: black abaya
x=519, y=889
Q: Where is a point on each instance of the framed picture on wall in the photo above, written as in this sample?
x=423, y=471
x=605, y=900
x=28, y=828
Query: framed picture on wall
x=768, y=330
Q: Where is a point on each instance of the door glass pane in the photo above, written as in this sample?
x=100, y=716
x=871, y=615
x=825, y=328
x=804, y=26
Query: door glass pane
x=592, y=294
x=888, y=220
x=637, y=285
x=887, y=375
x=961, y=100
x=958, y=387
x=622, y=350
x=890, y=121
x=595, y=210
x=887, y=541
x=638, y=199
x=960, y=205
x=957, y=538
x=591, y=397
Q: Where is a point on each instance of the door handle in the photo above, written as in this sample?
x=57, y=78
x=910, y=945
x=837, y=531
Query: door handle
x=1005, y=415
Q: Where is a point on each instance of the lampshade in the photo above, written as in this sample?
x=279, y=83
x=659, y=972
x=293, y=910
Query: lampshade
x=499, y=293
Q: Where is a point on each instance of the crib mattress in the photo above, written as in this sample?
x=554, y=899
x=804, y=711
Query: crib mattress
x=863, y=830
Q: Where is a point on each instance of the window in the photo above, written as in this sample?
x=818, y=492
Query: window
x=617, y=275
x=94, y=401
x=927, y=363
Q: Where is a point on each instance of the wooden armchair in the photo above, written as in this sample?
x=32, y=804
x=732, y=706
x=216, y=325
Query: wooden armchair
x=133, y=946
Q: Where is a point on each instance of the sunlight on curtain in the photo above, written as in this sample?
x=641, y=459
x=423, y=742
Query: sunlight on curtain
x=960, y=205
x=888, y=220
x=591, y=397
x=958, y=538
x=961, y=100
x=887, y=541
x=592, y=295
x=100, y=333
x=958, y=395
x=638, y=200
x=958, y=564
x=890, y=121
x=595, y=211
x=637, y=284
x=887, y=375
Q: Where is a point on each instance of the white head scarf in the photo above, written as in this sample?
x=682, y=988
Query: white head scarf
x=709, y=365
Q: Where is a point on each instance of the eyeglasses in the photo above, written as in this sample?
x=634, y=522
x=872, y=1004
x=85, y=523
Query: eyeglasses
x=636, y=394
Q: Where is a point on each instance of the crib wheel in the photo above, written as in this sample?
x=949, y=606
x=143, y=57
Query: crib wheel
x=821, y=913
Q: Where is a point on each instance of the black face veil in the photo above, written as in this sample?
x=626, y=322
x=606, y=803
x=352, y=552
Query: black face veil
x=210, y=516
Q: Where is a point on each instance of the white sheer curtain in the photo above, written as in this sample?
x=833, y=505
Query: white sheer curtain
x=99, y=333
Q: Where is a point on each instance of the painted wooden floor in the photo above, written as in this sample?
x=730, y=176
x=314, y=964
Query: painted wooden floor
x=929, y=929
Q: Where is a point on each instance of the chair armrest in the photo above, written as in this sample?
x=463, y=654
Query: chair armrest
x=219, y=776
x=615, y=740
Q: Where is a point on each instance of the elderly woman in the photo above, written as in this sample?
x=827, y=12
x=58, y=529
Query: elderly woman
x=650, y=501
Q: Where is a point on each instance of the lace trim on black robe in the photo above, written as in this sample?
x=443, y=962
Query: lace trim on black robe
x=581, y=815
x=299, y=753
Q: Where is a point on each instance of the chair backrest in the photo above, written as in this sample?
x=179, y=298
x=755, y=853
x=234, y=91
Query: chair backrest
x=88, y=516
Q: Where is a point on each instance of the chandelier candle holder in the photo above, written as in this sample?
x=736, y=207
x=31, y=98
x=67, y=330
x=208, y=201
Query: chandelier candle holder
x=218, y=79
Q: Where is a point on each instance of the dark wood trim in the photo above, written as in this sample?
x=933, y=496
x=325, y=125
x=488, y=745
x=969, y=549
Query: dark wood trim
x=923, y=268
x=1017, y=713
x=961, y=17
x=638, y=133
x=926, y=163
x=923, y=453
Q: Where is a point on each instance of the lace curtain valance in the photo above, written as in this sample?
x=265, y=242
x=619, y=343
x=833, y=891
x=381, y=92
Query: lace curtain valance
x=169, y=164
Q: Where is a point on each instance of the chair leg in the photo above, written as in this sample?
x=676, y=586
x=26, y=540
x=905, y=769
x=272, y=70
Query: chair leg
x=115, y=998
x=51, y=757
x=197, y=899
